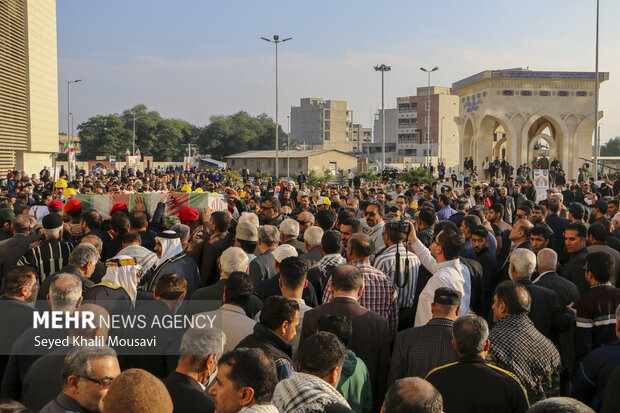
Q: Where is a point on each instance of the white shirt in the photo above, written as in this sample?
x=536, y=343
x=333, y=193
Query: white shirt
x=452, y=274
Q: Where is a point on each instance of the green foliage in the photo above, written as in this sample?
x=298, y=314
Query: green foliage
x=239, y=133
x=369, y=176
x=418, y=175
x=164, y=139
x=313, y=179
x=611, y=148
x=234, y=175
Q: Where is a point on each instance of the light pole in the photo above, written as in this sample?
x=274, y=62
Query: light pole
x=428, y=115
x=441, y=141
x=276, y=40
x=382, y=68
x=288, y=153
x=134, y=132
x=597, y=136
x=69, y=123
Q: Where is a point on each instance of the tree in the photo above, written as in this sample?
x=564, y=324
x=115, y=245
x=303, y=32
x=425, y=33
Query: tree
x=164, y=139
x=240, y=132
x=611, y=148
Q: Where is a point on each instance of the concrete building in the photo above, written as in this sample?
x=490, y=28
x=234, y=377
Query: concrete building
x=300, y=160
x=361, y=135
x=413, y=142
x=326, y=124
x=510, y=112
x=28, y=84
x=391, y=131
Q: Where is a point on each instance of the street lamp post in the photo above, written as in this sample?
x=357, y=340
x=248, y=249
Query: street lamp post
x=134, y=132
x=441, y=141
x=597, y=137
x=428, y=115
x=382, y=68
x=276, y=40
x=69, y=123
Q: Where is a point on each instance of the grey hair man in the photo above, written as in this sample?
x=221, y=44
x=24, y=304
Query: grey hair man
x=65, y=293
x=200, y=350
x=87, y=373
x=312, y=243
x=38, y=387
x=412, y=394
x=261, y=267
x=545, y=310
x=289, y=231
x=471, y=384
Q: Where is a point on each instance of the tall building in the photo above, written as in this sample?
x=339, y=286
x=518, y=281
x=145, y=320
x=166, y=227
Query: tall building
x=28, y=84
x=391, y=133
x=323, y=124
x=361, y=135
x=413, y=137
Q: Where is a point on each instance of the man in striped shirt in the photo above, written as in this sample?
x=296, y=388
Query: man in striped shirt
x=404, y=275
x=379, y=293
x=53, y=253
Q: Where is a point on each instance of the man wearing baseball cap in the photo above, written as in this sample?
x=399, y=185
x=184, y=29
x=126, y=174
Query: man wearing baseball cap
x=418, y=350
x=323, y=203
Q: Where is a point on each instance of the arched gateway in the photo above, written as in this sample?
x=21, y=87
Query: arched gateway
x=510, y=112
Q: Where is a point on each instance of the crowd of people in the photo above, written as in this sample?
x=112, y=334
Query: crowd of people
x=357, y=298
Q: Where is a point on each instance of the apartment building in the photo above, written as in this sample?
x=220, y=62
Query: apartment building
x=415, y=138
x=324, y=124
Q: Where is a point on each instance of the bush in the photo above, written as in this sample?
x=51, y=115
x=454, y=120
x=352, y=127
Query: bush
x=235, y=175
x=417, y=176
x=368, y=176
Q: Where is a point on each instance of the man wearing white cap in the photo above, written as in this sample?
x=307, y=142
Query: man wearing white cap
x=172, y=260
x=271, y=286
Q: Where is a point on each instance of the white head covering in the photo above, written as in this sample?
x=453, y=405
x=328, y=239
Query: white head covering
x=122, y=270
x=169, y=246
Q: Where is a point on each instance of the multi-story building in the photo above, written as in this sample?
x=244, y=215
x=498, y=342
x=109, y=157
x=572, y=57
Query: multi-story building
x=361, y=135
x=326, y=124
x=28, y=84
x=413, y=135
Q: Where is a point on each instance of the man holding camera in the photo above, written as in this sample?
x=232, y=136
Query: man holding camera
x=401, y=266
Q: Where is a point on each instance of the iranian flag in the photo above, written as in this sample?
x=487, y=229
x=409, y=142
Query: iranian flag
x=104, y=203
x=68, y=148
x=127, y=153
x=138, y=154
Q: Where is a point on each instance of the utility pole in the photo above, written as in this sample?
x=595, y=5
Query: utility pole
x=382, y=68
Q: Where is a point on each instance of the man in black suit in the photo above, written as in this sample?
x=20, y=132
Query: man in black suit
x=545, y=311
x=520, y=238
x=200, y=349
x=575, y=237
x=371, y=334
x=568, y=294
x=261, y=267
x=556, y=222
x=13, y=248
x=212, y=248
x=20, y=287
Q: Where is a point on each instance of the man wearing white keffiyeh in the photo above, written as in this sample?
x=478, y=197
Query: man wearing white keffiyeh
x=313, y=390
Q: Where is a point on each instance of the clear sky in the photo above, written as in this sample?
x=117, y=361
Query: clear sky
x=193, y=59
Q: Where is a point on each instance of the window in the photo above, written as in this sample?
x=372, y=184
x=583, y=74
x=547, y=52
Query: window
x=326, y=114
x=326, y=136
x=299, y=164
x=327, y=125
x=426, y=137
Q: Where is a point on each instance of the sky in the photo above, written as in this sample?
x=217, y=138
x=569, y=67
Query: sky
x=193, y=59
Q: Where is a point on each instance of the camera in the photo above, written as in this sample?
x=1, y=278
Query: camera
x=400, y=226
